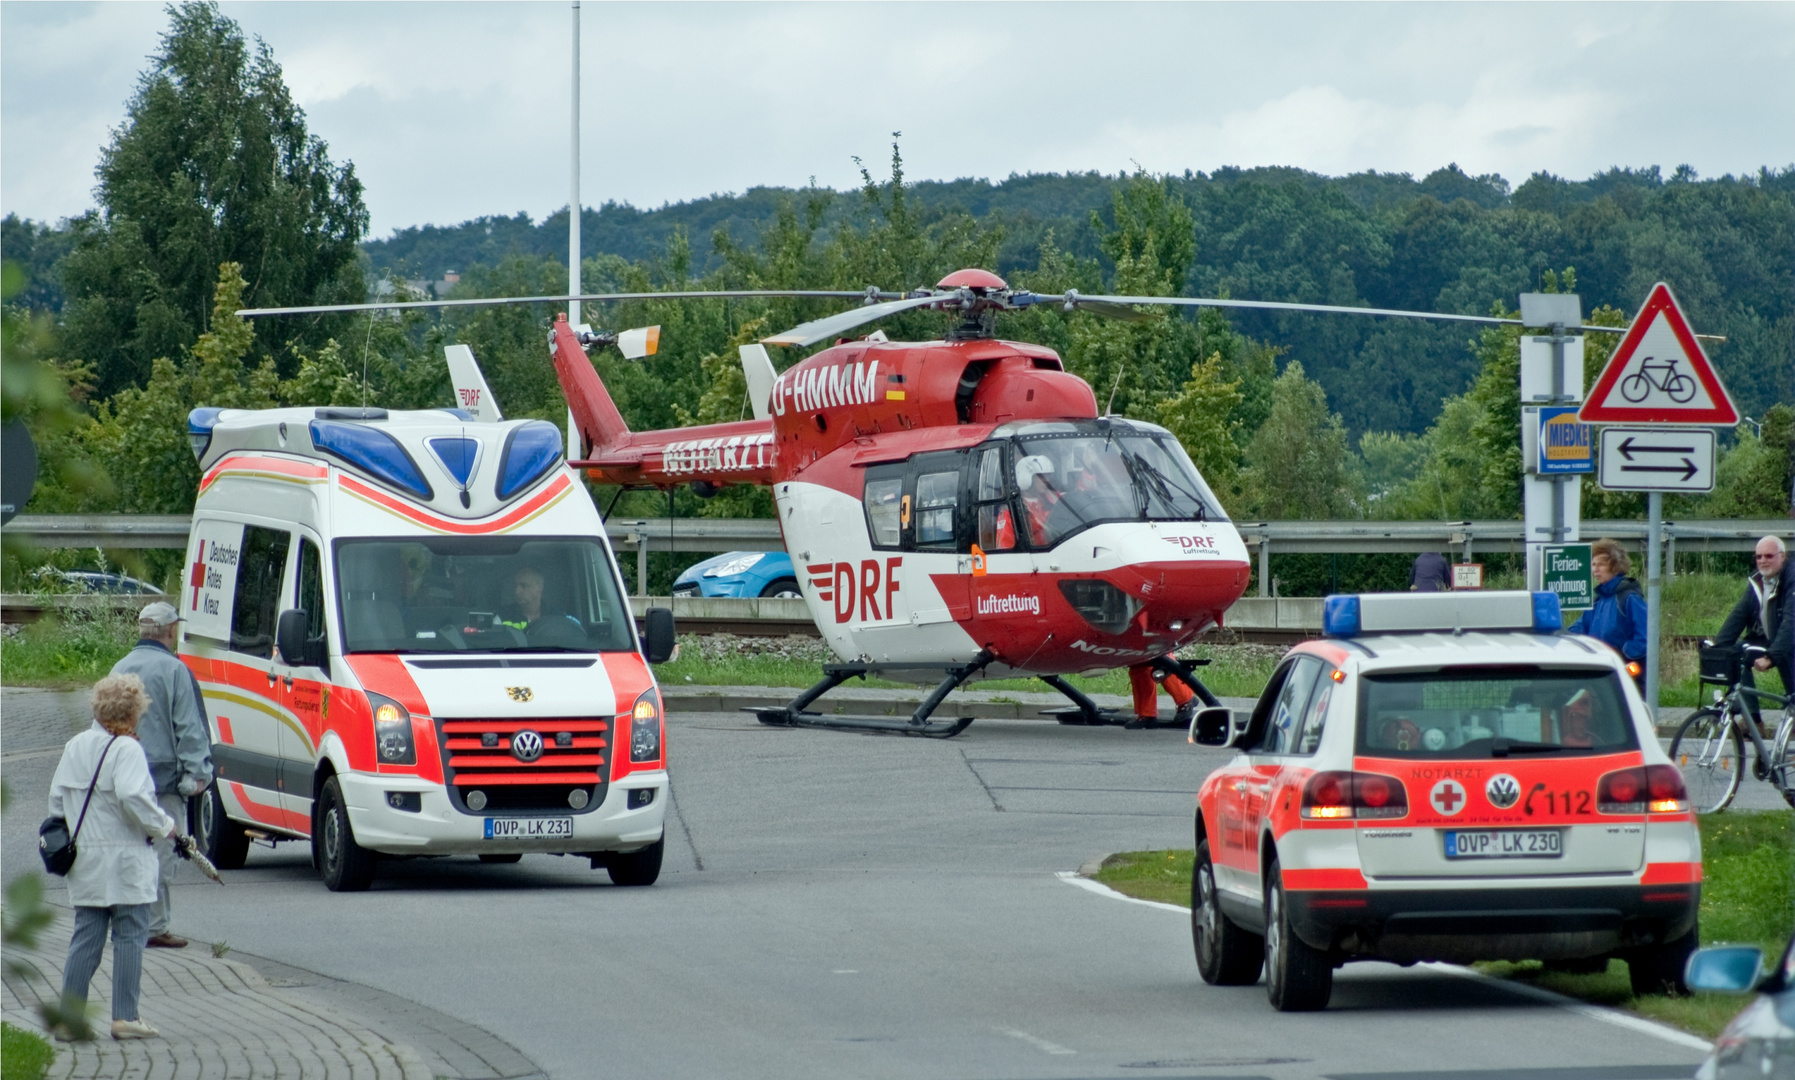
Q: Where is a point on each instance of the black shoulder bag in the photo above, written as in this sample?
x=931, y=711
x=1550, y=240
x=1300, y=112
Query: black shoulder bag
x=54, y=841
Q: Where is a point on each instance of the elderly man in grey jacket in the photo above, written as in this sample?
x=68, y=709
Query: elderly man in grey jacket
x=176, y=741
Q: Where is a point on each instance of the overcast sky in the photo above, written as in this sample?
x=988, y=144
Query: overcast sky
x=453, y=110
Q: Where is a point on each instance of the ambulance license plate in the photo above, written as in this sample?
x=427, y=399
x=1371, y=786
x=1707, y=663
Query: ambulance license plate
x=1504, y=843
x=529, y=828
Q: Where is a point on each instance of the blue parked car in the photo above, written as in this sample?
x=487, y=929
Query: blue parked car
x=741, y=573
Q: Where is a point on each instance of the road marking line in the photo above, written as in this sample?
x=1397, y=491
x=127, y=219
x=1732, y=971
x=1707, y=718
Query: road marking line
x=1038, y=1043
x=1593, y=1012
x=20, y=755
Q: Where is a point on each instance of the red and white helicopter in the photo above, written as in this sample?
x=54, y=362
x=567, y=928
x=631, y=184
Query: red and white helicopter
x=954, y=508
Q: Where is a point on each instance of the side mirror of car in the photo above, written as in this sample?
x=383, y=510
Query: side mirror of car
x=289, y=636
x=1213, y=726
x=1727, y=969
x=657, y=635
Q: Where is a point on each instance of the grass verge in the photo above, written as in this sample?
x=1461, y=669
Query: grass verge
x=24, y=1055
x=724, y=660
x=1748, y=898
x=73, y=649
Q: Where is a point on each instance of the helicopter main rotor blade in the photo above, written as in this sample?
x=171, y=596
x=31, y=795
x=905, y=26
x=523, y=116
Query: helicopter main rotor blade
x=407, y=305
x=1081, y=301
x=834, y=325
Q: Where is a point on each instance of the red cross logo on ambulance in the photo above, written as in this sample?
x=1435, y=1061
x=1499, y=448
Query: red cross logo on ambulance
x=1447, y=797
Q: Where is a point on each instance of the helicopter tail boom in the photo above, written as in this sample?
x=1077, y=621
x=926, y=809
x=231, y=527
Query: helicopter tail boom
x=594, y=413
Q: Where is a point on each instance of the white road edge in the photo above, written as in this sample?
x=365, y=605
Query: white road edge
x=1593, y=1012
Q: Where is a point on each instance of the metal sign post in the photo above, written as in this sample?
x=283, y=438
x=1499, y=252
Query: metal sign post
x=1551, y=381
x=1658, y=378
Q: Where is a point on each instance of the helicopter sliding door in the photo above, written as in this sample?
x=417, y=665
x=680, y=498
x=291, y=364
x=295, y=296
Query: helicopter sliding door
x=918, y=511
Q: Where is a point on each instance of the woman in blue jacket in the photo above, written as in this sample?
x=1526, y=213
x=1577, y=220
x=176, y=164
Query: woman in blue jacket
x=1618, y=616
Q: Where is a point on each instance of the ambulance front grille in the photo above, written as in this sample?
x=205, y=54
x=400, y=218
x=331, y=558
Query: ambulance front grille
x=477, y=756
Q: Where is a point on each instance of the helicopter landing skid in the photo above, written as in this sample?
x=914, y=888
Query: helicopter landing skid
x=919, y=724
x=1085, y=711
x=1082, y=710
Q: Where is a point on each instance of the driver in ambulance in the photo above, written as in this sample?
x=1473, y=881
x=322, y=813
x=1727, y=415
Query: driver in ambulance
x=528, y=616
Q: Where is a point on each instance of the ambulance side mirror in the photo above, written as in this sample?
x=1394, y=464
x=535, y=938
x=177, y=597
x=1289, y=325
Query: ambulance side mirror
x=289, y=636
x=657, y=634
x=1213, y=726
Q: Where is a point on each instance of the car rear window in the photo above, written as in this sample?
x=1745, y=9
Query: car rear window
x=1481, y=712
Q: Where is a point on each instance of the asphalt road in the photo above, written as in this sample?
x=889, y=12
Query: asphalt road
x=841, y=905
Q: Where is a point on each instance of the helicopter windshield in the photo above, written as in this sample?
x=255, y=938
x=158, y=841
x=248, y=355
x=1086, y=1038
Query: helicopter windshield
x=1071, y=481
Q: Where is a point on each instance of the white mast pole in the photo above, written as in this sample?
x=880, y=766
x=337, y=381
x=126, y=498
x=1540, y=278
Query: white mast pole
x=574, y=442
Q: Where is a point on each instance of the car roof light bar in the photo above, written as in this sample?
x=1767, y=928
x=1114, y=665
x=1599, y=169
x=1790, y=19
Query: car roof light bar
x=1396, y=613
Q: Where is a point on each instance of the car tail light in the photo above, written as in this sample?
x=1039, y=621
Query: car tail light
x=1331, y=796
x=1655, y=789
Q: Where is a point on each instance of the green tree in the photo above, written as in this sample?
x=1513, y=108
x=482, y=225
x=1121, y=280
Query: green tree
x=213, y=164
x=1299, y=464
x=1202, y=417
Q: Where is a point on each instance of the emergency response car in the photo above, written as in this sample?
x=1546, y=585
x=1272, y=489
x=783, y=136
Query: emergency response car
x=1443, y=777
x=412, y=639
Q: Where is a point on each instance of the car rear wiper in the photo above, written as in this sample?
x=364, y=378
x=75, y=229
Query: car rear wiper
x=1502, y=746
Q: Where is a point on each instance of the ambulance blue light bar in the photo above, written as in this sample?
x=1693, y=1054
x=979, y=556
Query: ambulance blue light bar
x=1395, y=613
x=531, y=450
x=200, y=423
x=373, y=451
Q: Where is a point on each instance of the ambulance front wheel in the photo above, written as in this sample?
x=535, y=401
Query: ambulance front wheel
x=345, y=864
x=223, y=840
x=1298, y=976
x=638, y=867
x=1226, y=954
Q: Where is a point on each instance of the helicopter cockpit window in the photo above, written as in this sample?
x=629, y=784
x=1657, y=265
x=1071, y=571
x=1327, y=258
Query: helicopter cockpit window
x=937, y=496
x=883, y=500
x=1068, y=483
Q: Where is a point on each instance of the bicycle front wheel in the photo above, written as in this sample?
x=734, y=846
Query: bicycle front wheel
x=1711, y=754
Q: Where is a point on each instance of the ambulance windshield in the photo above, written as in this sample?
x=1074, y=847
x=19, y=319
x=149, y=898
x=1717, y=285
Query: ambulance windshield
x=480, y=594
x=1487, y=712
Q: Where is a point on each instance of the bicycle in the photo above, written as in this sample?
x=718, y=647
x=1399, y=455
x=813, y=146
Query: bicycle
x=1680, y=387
x=1710, y=746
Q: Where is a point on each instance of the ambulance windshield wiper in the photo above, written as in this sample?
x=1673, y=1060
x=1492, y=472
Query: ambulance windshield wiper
x=1502, y=746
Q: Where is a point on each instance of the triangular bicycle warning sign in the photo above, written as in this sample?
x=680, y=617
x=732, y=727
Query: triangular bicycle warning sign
x=1659, y=375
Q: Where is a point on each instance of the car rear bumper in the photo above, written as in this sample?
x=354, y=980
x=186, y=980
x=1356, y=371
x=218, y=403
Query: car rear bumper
x=1461, y=925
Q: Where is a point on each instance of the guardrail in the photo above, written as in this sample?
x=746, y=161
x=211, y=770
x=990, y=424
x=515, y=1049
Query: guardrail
x=1251, y=616
x=762, y=534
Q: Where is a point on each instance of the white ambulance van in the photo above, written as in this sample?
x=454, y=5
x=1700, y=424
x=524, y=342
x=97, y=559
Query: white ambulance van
x=413, y=640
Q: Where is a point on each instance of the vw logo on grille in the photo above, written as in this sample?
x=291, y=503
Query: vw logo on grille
x=526, y=746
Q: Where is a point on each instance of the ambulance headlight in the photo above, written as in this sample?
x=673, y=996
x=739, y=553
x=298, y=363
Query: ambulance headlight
x=392, y=731
x=645, y=729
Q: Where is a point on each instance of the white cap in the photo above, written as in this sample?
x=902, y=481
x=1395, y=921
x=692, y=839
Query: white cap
x=159, y=614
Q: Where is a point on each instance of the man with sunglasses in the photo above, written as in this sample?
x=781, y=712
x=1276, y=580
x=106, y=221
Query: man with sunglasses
x=1762, y=615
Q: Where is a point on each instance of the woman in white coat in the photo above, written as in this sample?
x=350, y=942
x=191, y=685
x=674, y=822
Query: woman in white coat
x=113, y=881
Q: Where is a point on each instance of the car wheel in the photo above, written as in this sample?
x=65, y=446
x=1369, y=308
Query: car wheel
x=638, y=867
x=783, y=589
x=1226, y=954
x=502, y=857
x=345, y=864
x=223, y=840
x=1298, y=977
x=1658, y=969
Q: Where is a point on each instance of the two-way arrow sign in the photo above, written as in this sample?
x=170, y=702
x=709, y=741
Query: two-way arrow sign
x=1655, y=459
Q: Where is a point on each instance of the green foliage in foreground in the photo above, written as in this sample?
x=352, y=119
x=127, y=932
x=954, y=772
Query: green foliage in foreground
x=24, y=1055
x=1748, y=897
x=76, y=649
